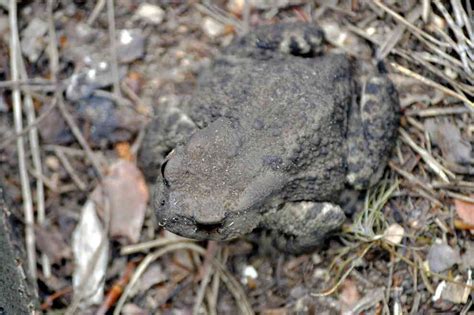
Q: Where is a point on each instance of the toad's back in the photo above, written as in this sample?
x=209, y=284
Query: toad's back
x=292, y=115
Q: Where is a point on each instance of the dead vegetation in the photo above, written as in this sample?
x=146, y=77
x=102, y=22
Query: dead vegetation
x=408, y=250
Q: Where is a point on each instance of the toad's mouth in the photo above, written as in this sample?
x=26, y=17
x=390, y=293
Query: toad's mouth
x=191, y=228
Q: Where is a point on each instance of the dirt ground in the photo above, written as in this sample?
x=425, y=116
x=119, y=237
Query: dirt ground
x=87, y=77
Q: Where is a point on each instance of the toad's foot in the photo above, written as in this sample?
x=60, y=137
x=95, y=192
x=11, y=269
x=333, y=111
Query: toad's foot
x=301, y=226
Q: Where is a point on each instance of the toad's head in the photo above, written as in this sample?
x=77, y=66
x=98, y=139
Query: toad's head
x=214, y=187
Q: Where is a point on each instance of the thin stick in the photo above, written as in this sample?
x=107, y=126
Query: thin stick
x=145, y=246
x=233, y=286
x=17, y=112
x=113, y=47
x=410, y=26
x=54, y=64
x=95, y=13
x=212, y=247
x=435, y=166
x=26, y=82
x=30, y=126
x=431, y=83
x=70, y=170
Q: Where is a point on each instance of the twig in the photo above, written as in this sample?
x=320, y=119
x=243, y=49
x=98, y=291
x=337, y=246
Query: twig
x=233, y=286
x=95, y=13
x=410, y=26
x=396, y=34
x=431, y=83
x=26, y=82
x=212, y=298
x=459, y=196
x=70, y=170
x=437, y=168
x=56, y=295
x=113, y=47
x=345, y=275
x=438, y=111
x=138, y=141
x=17, y=112
x=428, y=190
x=30, y=126
x=54, y=64
x=207, y=272
x=426, y=10
x=143, y=247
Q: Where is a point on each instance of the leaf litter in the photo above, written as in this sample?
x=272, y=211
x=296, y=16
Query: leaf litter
x=381, y=251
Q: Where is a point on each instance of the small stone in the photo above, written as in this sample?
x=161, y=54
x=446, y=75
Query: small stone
x=94, y=75
x=236, y=6
x=212, y=28
x=150, y=13
x=442, y=257
x=298, y=292
x=249, y=273
x=33, y=40
x=131, y=45
x=316, y=259
x=52, y=163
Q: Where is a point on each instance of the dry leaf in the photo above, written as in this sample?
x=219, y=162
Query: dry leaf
x=394, y=234
x=127, y=194
x=87, y=239
x=465, y=210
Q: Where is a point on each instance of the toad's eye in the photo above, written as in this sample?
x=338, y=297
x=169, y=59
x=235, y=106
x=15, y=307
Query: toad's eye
x=165, y=181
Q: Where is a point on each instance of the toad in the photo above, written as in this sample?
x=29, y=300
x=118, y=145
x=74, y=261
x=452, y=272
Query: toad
x=279, y=131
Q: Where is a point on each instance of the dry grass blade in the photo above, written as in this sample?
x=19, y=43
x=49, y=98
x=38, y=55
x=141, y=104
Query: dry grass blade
x=463, y=42
x=54, y=64
x=431, y=83
x=113, y=47
x=44, y=84
x=396, y=34
x=69, y=169
x=435, y=166
x=95, y=13
x=30, y=126
x=17, y=111
x=433, y=111
x=409, y=25
x=233, y=286
x=145, y=246
x=344, y=276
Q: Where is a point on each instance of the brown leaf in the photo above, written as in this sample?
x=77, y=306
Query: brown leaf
x=465, y=210
x=127, y=193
